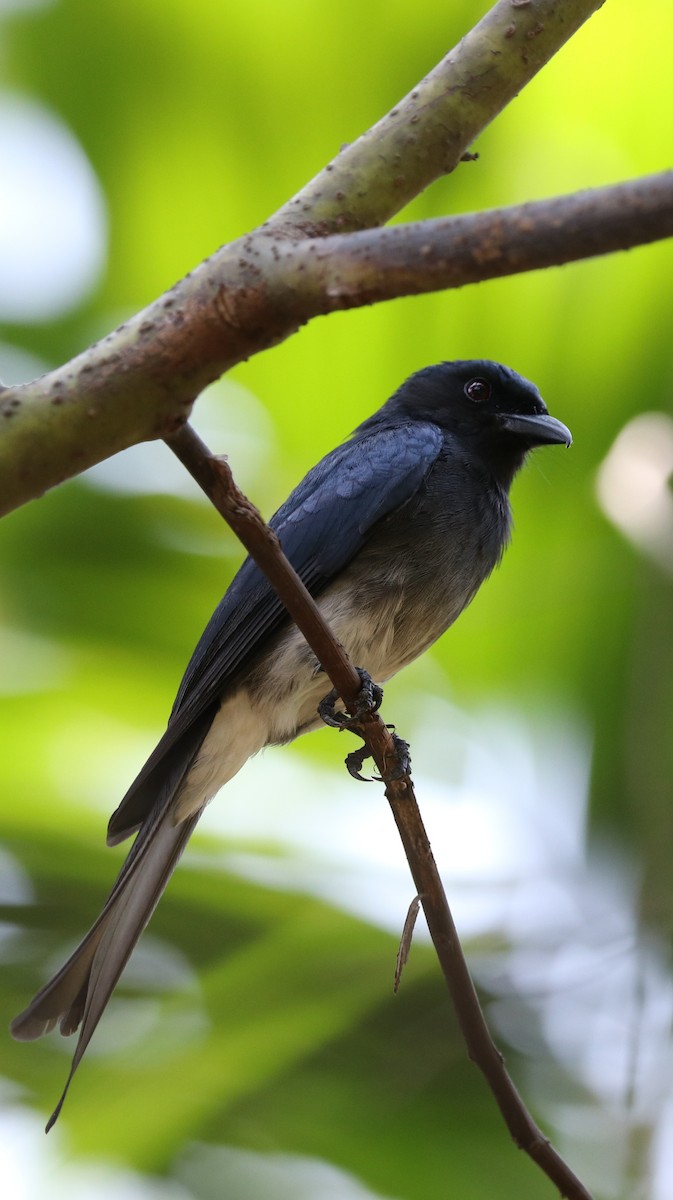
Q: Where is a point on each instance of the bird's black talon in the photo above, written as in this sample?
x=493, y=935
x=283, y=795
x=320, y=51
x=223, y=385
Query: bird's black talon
x=327, y=711
x=355, y=762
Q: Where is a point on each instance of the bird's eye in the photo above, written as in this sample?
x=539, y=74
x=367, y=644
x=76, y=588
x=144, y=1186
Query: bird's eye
x=478, y=390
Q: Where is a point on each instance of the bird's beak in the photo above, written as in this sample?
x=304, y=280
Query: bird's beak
x=537, y=429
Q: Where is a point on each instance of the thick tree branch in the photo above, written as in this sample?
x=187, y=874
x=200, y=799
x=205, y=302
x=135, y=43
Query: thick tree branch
x=141, y=381
x=214, y=476
x=349, y=270
x=425, y=135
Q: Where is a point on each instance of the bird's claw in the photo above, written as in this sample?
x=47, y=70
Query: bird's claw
x=327, y=710
x=368, y=701
x=402, y=766
x=355, y=762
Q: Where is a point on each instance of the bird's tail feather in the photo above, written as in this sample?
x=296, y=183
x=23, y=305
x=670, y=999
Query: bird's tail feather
x=83, y=986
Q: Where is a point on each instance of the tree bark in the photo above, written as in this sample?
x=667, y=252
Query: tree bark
x=141, y=381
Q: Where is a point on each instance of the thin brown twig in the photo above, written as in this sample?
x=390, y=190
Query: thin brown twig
x=214, y=476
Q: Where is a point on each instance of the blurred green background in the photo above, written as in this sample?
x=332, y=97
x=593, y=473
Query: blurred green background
x=254, y=1047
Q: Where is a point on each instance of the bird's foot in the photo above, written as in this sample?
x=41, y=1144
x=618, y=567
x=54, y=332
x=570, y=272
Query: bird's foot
x=368, y=700
x=401, y=766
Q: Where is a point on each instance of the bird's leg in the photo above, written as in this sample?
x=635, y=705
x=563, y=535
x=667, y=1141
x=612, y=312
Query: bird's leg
x=368, y=700
x=402, y=764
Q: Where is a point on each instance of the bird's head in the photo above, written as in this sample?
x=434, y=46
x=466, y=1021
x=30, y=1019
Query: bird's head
x=491, y=409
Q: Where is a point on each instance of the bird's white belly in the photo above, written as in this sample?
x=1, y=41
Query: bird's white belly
x=281, y=699
x=234, y=736
x=286, y=702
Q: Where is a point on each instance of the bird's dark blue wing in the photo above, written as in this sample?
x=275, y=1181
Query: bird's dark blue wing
x=322, y=526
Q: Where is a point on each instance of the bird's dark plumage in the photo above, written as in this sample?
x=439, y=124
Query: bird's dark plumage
x=393, y=532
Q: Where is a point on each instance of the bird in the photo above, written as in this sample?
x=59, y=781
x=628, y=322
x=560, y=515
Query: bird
x=393, y=532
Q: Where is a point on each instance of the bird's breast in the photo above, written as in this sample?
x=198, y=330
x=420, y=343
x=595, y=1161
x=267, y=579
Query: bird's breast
x=409, y=583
